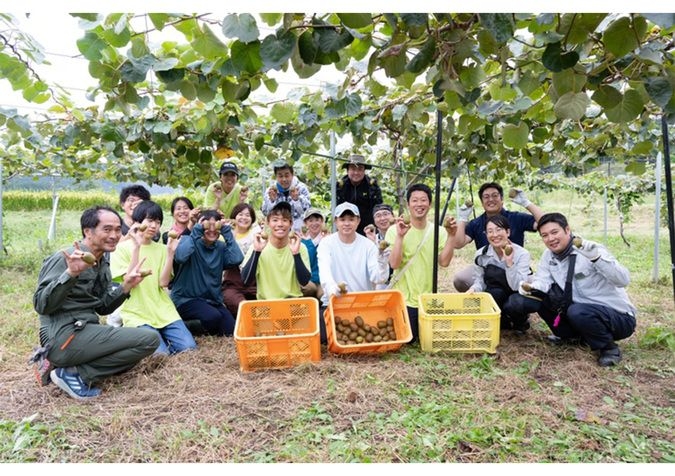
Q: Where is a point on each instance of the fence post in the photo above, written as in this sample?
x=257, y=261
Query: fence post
x=657, y=217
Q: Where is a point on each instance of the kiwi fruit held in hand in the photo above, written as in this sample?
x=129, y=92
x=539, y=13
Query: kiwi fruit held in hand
x=173, y=234
x=577, y=241
x=508, y=249
x=88, y=258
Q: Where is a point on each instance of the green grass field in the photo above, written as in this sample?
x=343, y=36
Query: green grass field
x=528, y=402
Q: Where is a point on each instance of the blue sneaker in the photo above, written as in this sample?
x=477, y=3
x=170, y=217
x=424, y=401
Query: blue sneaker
x=73, y=385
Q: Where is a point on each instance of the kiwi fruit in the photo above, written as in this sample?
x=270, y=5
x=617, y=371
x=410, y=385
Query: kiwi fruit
x=173, y=234
x=383, y=245
x=390, y=321
x=264, y=235
x=358, y=320
x=508, y=249
x=392, y=220
x=468, y=203
x=513, y=192
x=244, y=188
x=142, y=227
x=381, y=324
x=369, y=228
x=527, y=287
x=324, y=229
x=447, y=222
x=342, y=287
x=88, y=258
x=145, y=272
x=577, y=241
x=406, y=219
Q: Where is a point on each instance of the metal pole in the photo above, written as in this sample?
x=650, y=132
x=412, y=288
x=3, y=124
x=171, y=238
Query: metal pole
x=669, y=196
x=609, y=174
x=333, y=179
x=437, y=196
x=657, y=217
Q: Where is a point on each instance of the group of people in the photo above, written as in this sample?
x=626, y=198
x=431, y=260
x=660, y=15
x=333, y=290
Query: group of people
x=168, y=287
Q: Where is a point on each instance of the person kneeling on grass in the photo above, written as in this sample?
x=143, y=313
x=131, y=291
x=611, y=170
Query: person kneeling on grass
x=150, y=305
x=74, y=288
x=278, y=263
x=596, y=309
x=201, y=259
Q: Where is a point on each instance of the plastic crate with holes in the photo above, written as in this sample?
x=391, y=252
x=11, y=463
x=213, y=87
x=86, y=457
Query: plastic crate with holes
x=275, y=334
x=459, y=322
x=377, y=321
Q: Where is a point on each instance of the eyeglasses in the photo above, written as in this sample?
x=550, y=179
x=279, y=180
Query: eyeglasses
x=493, y=196
x=381, y=215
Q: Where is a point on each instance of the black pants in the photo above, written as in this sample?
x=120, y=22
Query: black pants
x=599, y=326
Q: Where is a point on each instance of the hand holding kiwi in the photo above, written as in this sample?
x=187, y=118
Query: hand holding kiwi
x=342, y=287
x=88, y=258
x=173, y=234
x=508, y=249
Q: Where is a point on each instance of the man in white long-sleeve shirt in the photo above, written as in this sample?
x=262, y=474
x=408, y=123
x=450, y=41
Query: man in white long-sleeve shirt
x=600, y=311
x=348, y=257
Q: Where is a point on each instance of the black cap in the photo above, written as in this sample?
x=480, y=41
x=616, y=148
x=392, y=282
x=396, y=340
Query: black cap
x=229, y=167
x=382, y=206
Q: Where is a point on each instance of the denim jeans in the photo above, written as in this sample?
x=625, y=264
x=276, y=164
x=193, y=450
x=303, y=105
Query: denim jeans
x=174, y=338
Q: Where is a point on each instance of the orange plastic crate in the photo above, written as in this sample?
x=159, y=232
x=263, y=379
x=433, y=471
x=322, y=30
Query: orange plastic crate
x=459, y=322
x=372, y=306
x=273, y=334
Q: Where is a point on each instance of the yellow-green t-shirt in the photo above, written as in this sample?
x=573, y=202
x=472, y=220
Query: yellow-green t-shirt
x=275, y=273
x=417, y=278
x=228, y=202
x=148, y=303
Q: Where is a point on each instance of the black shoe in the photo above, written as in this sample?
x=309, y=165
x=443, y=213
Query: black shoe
x=521, y=329
x=555, y=340
x=609, y=357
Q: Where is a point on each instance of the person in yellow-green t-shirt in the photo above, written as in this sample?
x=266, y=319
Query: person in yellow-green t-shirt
x=277, y=262
x=149, y=305
x=226, y=193
x=412, y=251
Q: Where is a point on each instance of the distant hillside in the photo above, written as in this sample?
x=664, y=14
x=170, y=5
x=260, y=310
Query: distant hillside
x=61, y=183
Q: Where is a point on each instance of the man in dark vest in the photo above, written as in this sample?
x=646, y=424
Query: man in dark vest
x=358, y=188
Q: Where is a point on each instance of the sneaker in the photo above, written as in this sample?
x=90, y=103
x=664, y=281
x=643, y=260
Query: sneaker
x=73, y=385
x=609, y=357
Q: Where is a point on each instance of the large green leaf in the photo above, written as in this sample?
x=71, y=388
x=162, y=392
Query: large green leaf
x=555, y=60
x=571, y=106
x=355, y=20
x=241, y=26
x=208, y=44
x=301, y=68
x=158, y=19
x=423, y=58
x=277, y=49
x=246, y=56
x=607, y=96
x=619, y=38
x=568, y=80
x=415, y=23
x=577, y=27
x=628, y=109
x=283, y=112
x=307, y=47
x=91, y=46
x=659, y=89
x=331, y=41
x=271, y=19
x=499, y=24
x=515, y=136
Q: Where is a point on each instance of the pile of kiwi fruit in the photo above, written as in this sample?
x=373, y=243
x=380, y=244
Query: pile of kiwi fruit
x=348, y=332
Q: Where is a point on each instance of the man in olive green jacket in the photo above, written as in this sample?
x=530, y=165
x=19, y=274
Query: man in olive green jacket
x=74, y=288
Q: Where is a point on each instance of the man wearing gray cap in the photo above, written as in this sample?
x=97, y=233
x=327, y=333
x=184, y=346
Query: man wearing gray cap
x=349, y=258
x=358, y=188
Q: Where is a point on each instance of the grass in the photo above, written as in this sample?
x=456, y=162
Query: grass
x=529, y=402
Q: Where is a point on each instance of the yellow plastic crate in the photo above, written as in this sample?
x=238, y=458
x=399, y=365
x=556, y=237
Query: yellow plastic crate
x=372, y=306
x=274, y=334
x=459, y=322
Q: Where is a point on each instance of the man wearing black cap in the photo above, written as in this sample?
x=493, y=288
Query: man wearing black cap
x=226, y=193
x=358, y=188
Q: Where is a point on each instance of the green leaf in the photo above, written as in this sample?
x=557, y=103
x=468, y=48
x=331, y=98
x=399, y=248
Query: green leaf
x=352, y=104
x=158, y=20
x=577, y=27
x=246, y=56
x=188, y=90
x=619, y=37
x=331, y=41
x=664, y=20
x=307, y=47
x=568, y=80
x=472, y=76
x=487, y=43
x=208, y=44
x=659, y=89
x=555, y=60
x=302, y=69
x=499, y=24
x=91, y=46
x=607, y=96
x=423, y=58
x=271, y=19
x=276, y=49
x=571, y=106
x=628, y=109
x=643, y=148
x=171, y=75
x=283, y=112
x=355, y=20
x=415, y=23
x=242, y=27
x=515, y=136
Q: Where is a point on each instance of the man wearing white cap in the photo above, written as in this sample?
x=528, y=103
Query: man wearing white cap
x=350, y=258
